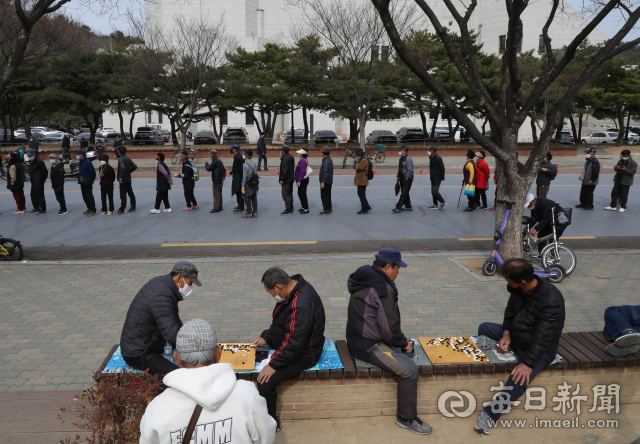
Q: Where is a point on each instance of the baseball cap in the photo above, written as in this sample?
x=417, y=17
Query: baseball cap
x=325, y=149
x=433, y=148
x=404, y=148
x=195, y=336
x=187, y=269
x=590, y=150
x=83, y=152
x=528, y=199
x=391, y=255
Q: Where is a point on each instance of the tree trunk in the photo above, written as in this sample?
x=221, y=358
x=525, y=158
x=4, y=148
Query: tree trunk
x=435, y=121
x=573, y=130
x=133, y=114
x=305, y=121
x=213, y=118
x=361, y=130
x=423, y=117
x=626, y=128
x=580, y=127
x=558, y=137
x=4, y=127
x=534, y=129
x=121, y=118
x=450, y=125
x=353, y=130
x=174, y=136
x=484, y=126
x=620, y=116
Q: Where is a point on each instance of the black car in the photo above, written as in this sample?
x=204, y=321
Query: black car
x=381, y=136
x=112, y=136
x=406, y=134
x=441, y=136
x=324, y=137
x=147, y=136
x=205, y=138
x=236, y=134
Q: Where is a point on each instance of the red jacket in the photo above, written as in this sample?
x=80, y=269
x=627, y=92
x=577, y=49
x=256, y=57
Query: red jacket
x=482, y=174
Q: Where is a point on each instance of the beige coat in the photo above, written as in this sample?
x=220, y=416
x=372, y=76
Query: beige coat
x=361, y=173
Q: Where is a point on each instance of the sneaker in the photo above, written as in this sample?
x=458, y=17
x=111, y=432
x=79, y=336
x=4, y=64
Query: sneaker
x=415, y=425
x=104, y=213
x=154, y=211
x=579, y=206
x=628, y=339
x=266, y=169
x=195, y=207
x=362, y=212
x=214, y=211
x=85, y=212
x=621, y=210
x=19, y=212
x=615, y=350
x=40, y=213
x=247, y=216
x=442, y=205
x=131, y=210
x=255, y=215
x=303, y=211
x=278, y=424
x=408, y=209
x=237, y=211
x=119, y=213
x=300, y=210
x=483, y=208
x=396, y=210
x=433, y=207
x=284, y=213
x=167, y=210
x=610, y=208
x=61, y=212
x=34, y=211
x=186, y=209
x=324, y=213
x=588, y=208
x=91, y=213
x=484, y=423
x=467, y=210
x=109, y=213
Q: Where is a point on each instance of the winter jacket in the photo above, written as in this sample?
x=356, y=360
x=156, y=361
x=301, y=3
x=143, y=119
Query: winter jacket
x=542, y=214
x=86, y=169
x=125, y=168
x=107, y=175
x=38, y=172
x=591, y=172
x=469, y=172
x=34, y=145
x=625, y=177
x=248, y=169
x=57, y=175
x=405, y=167
x=188, y=183
x=544, y=177
x=66, y=143
x=152, y=319
x=236, y=174
x=163, y=177
x=326, y=171
x=218, y=171
x=84, y=144
x=297, y=328
x=287, y=168
x=262, y=147
x=15, y=179
x=373, y=313
x=233, y=410
x=118, y=143
x=436, y=169
x=483, y=173
x=535, y=320
x=301, y=170
x=361, y=168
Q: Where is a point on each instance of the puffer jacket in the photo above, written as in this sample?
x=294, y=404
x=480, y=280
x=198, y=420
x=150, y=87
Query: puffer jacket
x=625, y=177
x=436, y=169
x=535, y=320
x=218, y=171
x=483, y=173
x=57, y=175
x=152, y=319
x=591, y=172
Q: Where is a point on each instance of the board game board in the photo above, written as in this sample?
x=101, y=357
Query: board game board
x=239, y=354
x=329, y=358
x=452, y=350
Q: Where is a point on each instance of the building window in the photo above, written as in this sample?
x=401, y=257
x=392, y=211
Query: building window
x=541, y=46
x=249, y=117
x=148, y=116
x=384, y=50
x=159, y=117
x=374, y=53
x=224, y=117
x=502, y=43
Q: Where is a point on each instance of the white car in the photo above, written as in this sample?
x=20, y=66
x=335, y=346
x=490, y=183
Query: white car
x=105, y=131
x=55, y=136
x=631, y=137
x=601, y=137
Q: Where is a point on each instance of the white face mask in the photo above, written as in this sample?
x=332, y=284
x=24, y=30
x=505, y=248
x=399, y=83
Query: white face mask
x=531, y=207
x=244, y=157
x=52, y=160
x=399, y=153
x=103, y=162
x=428, y=153
x=186, y=290
x=277, y=298
x=588, y=156
x=625, y=158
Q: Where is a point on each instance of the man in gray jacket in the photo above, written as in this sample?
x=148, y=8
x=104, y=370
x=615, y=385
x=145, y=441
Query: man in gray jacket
x=249, y=190
x=404, y=179
x=589, y=178
x=622, y=181
x=326, y=181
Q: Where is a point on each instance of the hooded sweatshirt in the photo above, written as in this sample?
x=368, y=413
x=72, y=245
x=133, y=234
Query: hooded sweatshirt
x=233, y=411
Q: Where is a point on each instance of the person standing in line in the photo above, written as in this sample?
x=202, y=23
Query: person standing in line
x=287, y=177
x=546, y=174
x=405, y=179
x=236, y=178
x=436, y=176
x=38, y=174
x=188, y=181
x=262, y=152
x=622, y=181
x=107, y=179
x=57, y=181
x=589, y=179
x=15, y=181
x=163, y=185
x=470, y=178
x=100, y=148
x=86, y=177
x=483, y=174
x=125, y=168
x=303, y=181
x=218, y=174
x=326, y=181
x=65, y=144
x=250, y=191
x=361, y=180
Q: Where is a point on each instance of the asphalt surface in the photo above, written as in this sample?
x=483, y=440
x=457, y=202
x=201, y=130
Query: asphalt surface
x=143, y=234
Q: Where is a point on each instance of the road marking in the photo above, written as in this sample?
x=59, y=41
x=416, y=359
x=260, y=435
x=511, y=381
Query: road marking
x=489, y=238
x=224, y=244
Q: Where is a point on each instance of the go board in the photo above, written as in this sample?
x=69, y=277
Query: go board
x=239, y=354
x=452, y=350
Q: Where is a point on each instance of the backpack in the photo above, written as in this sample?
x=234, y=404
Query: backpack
x=555, y=173
x=370, y=170
x=254, y=180
x=196, y=173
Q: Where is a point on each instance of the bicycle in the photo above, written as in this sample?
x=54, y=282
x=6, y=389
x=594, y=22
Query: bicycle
x=377, y=154
x=10, y=250
x=555, y=253
x=4, y=170
x=349, y=154
x=193, y=156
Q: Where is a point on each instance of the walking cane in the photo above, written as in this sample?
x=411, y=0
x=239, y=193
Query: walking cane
x=461, y=188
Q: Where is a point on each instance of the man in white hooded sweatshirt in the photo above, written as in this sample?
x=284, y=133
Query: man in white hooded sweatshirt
x=233, y=411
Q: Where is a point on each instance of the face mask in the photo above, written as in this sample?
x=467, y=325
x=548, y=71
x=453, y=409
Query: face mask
x=243, y=157
x=186, y=290
x=277, y=298
x=531, y=207
x=399, y=153
x=625, y=158
x=52, y=160
x=157, y=161
x=588, y=156
x=103, y=162
x=428, y=153
x=479, y=155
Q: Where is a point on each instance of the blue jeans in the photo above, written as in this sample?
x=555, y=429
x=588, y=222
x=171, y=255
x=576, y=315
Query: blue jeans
x=620, y=318
x=512, y=391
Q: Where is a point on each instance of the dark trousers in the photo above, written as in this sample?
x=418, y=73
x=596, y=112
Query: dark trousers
x=106, y=193
x=405, y=199
x=287, y=195
x=302, y=194
x=325, y=196
x=586, y=195
x=435, y=192
x=37, y=197
x=262, y=157
x=471, y=201
x=268, y=389
x=388, y=358
x=18, y=196
x=481, y=195
x=362, y=194
x=619, y=192
x=620, y=318
x=240, y=201
x=512, y=391
x=217, y=196
x=87, y=196
x=155, y=362
x=190, y=198
x=59, y=192
x=252, y=203
x=125, y=189
x=161, y=196
x=542, y=190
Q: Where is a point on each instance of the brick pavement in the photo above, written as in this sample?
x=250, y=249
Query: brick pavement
x=59, y=321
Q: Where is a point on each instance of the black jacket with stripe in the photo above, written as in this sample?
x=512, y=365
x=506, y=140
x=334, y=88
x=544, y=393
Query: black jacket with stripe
x=297, y=328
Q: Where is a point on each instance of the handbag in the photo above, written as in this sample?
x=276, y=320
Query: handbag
x=397, y=188
x=192, y=424
x=84, y=180
x=309, y=172
x=470, y=190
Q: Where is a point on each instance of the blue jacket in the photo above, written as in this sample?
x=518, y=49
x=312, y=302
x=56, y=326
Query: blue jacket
x=262, y=147
x=86, y=169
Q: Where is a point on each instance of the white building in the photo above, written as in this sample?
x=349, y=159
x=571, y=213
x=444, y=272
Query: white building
x=256, y=22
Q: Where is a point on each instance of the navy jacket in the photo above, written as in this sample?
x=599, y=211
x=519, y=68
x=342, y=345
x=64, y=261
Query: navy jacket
x=262, y=147
x=86, y=169
x=326, y=171
x=543, y=213
x=544, y=177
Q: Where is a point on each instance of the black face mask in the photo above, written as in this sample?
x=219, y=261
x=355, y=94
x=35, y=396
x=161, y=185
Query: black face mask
x=516, y=290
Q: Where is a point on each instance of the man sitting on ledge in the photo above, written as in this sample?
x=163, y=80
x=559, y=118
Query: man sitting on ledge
x=622, y=328
x=374, y=333
x=533, y=323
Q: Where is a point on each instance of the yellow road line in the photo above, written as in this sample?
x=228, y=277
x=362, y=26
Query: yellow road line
x=489, y=238
x=224, y=244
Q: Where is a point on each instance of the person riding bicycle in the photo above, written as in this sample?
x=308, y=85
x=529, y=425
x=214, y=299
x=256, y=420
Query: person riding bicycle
x=543, y=214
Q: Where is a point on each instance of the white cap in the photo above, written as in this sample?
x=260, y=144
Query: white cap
x=528, y=199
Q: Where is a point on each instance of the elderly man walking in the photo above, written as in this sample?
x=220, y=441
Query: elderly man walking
x=405, y=179
x=589, y=179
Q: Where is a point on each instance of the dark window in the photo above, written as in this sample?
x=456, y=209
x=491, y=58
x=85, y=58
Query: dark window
x=148, y=116
x=502, y=43
x=224, y=117
x=541, y=47
x=433, y=114
x=385, y=52
x=249, y=117
x=159, y=117
x=374, y=53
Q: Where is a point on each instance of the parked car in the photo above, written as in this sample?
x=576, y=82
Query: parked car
x=298, y=136
x=441, y=136
x=324, y=136
x=381, y=136
x=147, y=136
x=566, y=138
x=601, y=137
x=406, y=134
x=632, y=137
x=204, y=138
x=55, y=137
x=111, y=136
x=56, y=127
x=166, y=134
x=236, y=134
x=75, y=140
